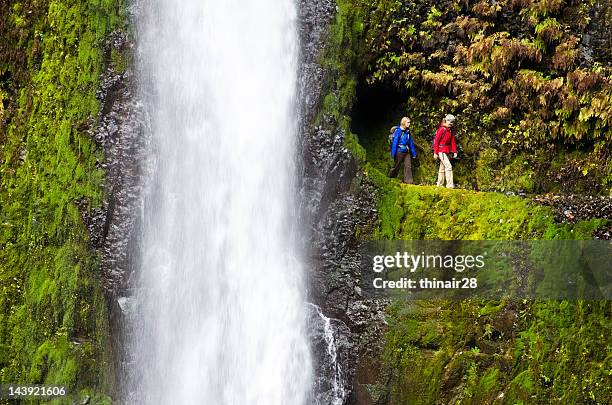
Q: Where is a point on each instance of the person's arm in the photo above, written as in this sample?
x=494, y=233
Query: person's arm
x=453, y=143
x=396, y=136
x=412, y=148
x=439, y=133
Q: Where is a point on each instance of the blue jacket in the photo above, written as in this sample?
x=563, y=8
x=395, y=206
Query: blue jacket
x=401, y=141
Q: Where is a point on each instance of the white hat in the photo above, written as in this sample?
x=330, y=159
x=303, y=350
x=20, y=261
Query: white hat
x=450, y=118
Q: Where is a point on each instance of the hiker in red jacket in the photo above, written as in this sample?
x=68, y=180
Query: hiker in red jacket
x=445, y=145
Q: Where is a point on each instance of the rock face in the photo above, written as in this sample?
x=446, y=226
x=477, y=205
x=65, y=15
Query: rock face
x=573, y=208
x=314, y=18
x=597, y=43
x=336, y=201
x=121, y=134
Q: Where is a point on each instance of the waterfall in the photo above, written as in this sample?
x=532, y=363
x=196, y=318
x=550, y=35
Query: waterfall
x=219, y=309
x=331, y=366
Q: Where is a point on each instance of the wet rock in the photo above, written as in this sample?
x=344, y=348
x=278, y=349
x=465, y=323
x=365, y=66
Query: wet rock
x=596, y=45
x=126, y=304
x=604, y=233
x=336, y=200
x=314, y=19
x=121, y=135
x=505, y=323
x=332, y=347
x=573, y=208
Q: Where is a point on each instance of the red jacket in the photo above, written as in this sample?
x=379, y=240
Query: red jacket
x=445, y=140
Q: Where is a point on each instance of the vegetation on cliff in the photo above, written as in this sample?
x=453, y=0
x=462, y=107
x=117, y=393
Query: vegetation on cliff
x=474, y=352
x=531, y=84
x=53, y=316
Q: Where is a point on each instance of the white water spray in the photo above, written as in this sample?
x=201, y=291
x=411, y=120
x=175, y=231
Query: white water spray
x=219, y=309
x=337, y=394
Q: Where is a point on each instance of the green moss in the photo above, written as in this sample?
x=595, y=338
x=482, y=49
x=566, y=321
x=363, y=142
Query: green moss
x=521, y=387
x=479, y=357
x=489, y=382
x=485, y=164
x=121, y=60
x=53, y=325
x=477, y=350
x=518, y=175
x=352, y=144
x=339, y=57
x=436, y=338
x=429, y=212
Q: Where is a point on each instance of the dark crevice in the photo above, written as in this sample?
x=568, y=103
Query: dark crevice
x=375, y=106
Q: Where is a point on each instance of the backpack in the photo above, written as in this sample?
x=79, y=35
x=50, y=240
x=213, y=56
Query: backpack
x=391, y=133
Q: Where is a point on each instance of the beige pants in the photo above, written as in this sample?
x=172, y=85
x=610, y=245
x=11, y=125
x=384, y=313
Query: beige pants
x=446, y=170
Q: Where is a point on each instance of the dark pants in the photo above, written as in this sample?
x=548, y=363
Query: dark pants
x=402, y=158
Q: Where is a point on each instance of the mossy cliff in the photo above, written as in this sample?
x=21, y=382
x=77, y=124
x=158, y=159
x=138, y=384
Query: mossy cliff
x=53, y=312
x=512, y=72
x=475, y=352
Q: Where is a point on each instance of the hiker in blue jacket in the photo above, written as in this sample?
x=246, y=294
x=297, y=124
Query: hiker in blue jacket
x=402, y=140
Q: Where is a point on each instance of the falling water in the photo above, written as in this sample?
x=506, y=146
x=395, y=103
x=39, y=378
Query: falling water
x=219, y=312
x=337, y=394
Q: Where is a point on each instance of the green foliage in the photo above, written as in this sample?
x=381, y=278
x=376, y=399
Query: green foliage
x=476, y=352
x=527, y=352
x=510, y=71
x=486, y=164
x=53, y=316
x=483, y=67
x=339, y=58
